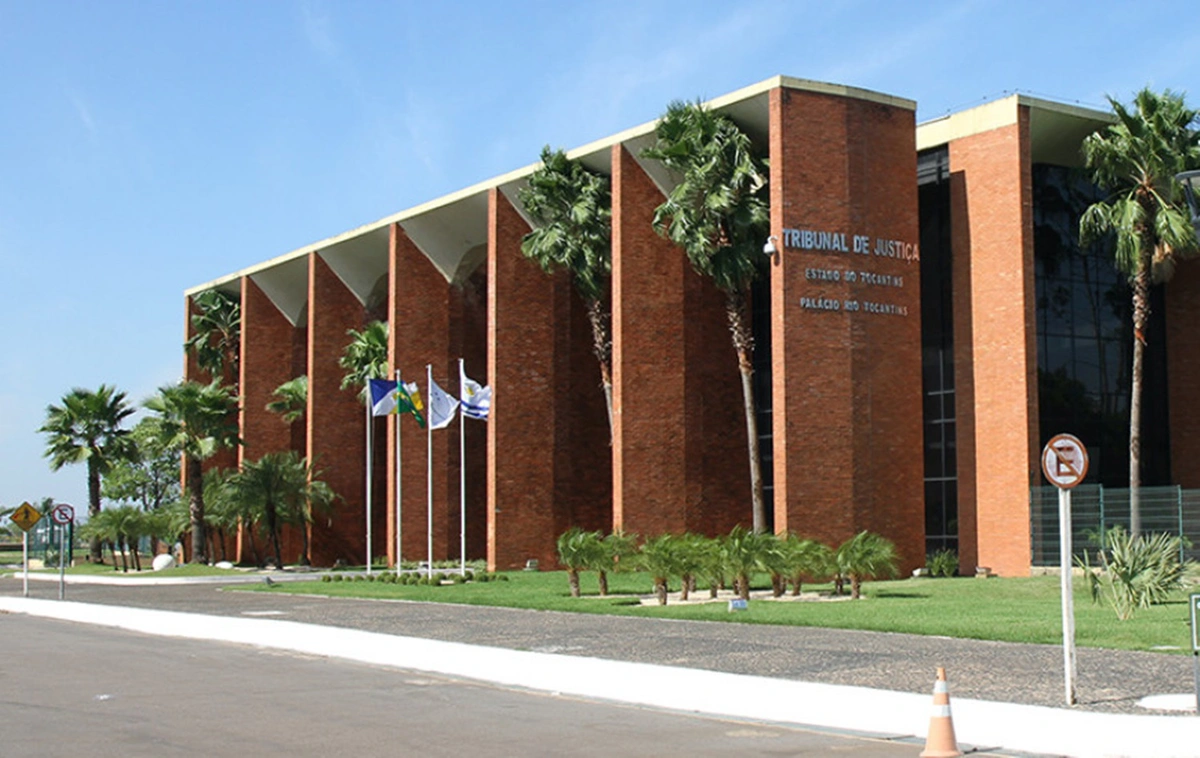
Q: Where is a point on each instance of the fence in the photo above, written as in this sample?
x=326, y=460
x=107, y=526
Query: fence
x=1094, y=509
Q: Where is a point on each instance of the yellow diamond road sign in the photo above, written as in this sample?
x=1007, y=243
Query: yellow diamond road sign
x=25, y=516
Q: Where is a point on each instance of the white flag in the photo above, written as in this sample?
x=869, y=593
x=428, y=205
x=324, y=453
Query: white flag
x=476, y=400
x=441, y=407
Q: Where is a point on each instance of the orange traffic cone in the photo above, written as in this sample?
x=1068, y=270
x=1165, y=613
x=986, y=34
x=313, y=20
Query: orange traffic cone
x=940, y=742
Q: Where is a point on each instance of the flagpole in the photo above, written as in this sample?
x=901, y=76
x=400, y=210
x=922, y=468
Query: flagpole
x=399, y=509
x=367, y=405
x=462, y=477
x=429, y=471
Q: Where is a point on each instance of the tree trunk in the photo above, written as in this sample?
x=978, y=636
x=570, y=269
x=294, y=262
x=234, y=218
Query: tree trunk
x=195, y=486
x=573, y=581
x=855, y=586
x=95, y=549
x=778, y=585
x=744, y=586
x=603, y=576
x=660, y=590
x=743, y=344
x=796, y=586
x=685, y=586
x=273, y=527
x=1141, y=316
x=600, y=319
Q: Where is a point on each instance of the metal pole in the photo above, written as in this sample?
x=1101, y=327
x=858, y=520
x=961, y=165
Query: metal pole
x=25, y=558
x=400, y=542
x=62, y=553
x=1068, y=600
x=1196, y=677
x=370, y=462
x=429, y=472
x=462, y=478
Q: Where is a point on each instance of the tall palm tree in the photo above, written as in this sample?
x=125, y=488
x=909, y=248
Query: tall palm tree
x=199, y=420
x=217, y=333
x=278, y=486
x=718, y=214
x=291, y=401
x=86, y=428
x=365, y=357
x=1136, y=159
x=573, y=209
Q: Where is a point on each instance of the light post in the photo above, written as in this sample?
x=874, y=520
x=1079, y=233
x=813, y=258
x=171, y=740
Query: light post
x=1191, y=187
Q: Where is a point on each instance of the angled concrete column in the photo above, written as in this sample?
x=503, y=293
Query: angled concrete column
x=267, y=346
x=336, y=418
x=846, y=340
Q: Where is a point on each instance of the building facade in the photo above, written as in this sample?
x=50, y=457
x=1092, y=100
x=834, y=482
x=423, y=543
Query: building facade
x=901, y=331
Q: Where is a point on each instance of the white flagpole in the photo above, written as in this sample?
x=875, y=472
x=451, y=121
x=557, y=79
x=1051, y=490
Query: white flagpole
x=462, y=476
x=370, y=417
x=399, y=509
x=429, y=470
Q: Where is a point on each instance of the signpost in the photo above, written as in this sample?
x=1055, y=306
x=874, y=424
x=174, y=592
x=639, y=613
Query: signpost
x=1065, y=463
x=25, y=516
x=63, y=515
x=1194, y=602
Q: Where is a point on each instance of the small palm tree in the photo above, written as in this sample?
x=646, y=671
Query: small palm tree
x=744, y=553
x=660, y=557
x=86, y=428
x=719, y=215
x=578, y=550
x=805, y=558
x=1135, y=572
x=216, y=334
x=606, y=556
x=864, y=556
x=278, y=487
x=198, y=419
x=572, y=207
x=696, y=553
x=1136, y=159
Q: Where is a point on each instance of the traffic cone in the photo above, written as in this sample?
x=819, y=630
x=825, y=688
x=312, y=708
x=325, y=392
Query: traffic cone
x=940, y=742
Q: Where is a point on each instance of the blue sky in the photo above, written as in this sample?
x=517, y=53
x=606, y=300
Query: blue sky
x=146, y=147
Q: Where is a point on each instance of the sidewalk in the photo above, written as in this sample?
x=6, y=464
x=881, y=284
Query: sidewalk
x=649, y=662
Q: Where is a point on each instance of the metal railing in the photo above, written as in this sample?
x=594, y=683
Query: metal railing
x=1095, y=508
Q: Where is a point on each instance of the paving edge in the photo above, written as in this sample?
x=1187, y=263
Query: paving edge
x=1010, y=726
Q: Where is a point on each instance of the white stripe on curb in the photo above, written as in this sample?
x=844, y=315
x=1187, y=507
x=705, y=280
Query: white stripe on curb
x=1014, y=727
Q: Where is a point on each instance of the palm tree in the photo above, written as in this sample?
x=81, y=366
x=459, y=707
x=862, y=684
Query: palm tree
x=573, y=209
x=217, y=333
x=86, y=428
x=1136, y=159
x=277, y=486
x=198, y=419
x=866, y=555
x=805, y=558
x=695, y=556
x=318, y=496
x=746, y=552
x=365, y=357
x=660, y=557
x=292, y=400
x=579, y=550
x=718, y=215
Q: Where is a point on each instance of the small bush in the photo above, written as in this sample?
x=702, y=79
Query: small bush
x=327, y=578
x=943, y=563
x=1134, y=572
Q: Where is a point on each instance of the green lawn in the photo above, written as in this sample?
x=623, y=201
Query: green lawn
x=1015, y=610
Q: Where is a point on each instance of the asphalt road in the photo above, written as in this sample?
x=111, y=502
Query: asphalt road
x=1108, y=680
x=70, y=690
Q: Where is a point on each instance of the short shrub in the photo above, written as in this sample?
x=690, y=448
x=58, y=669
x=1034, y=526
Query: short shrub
x=327, y=578
x=943, y=563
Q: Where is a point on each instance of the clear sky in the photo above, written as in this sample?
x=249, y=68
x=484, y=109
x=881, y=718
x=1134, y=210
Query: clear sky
x=146, y=147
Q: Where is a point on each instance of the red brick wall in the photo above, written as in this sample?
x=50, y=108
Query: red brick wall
x=995, y=351
x=847, y=389
x=1183, y=365
x=336, y=432
x=266, y=362
x=649, y=453
x=425, y=318
x=536, y=367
